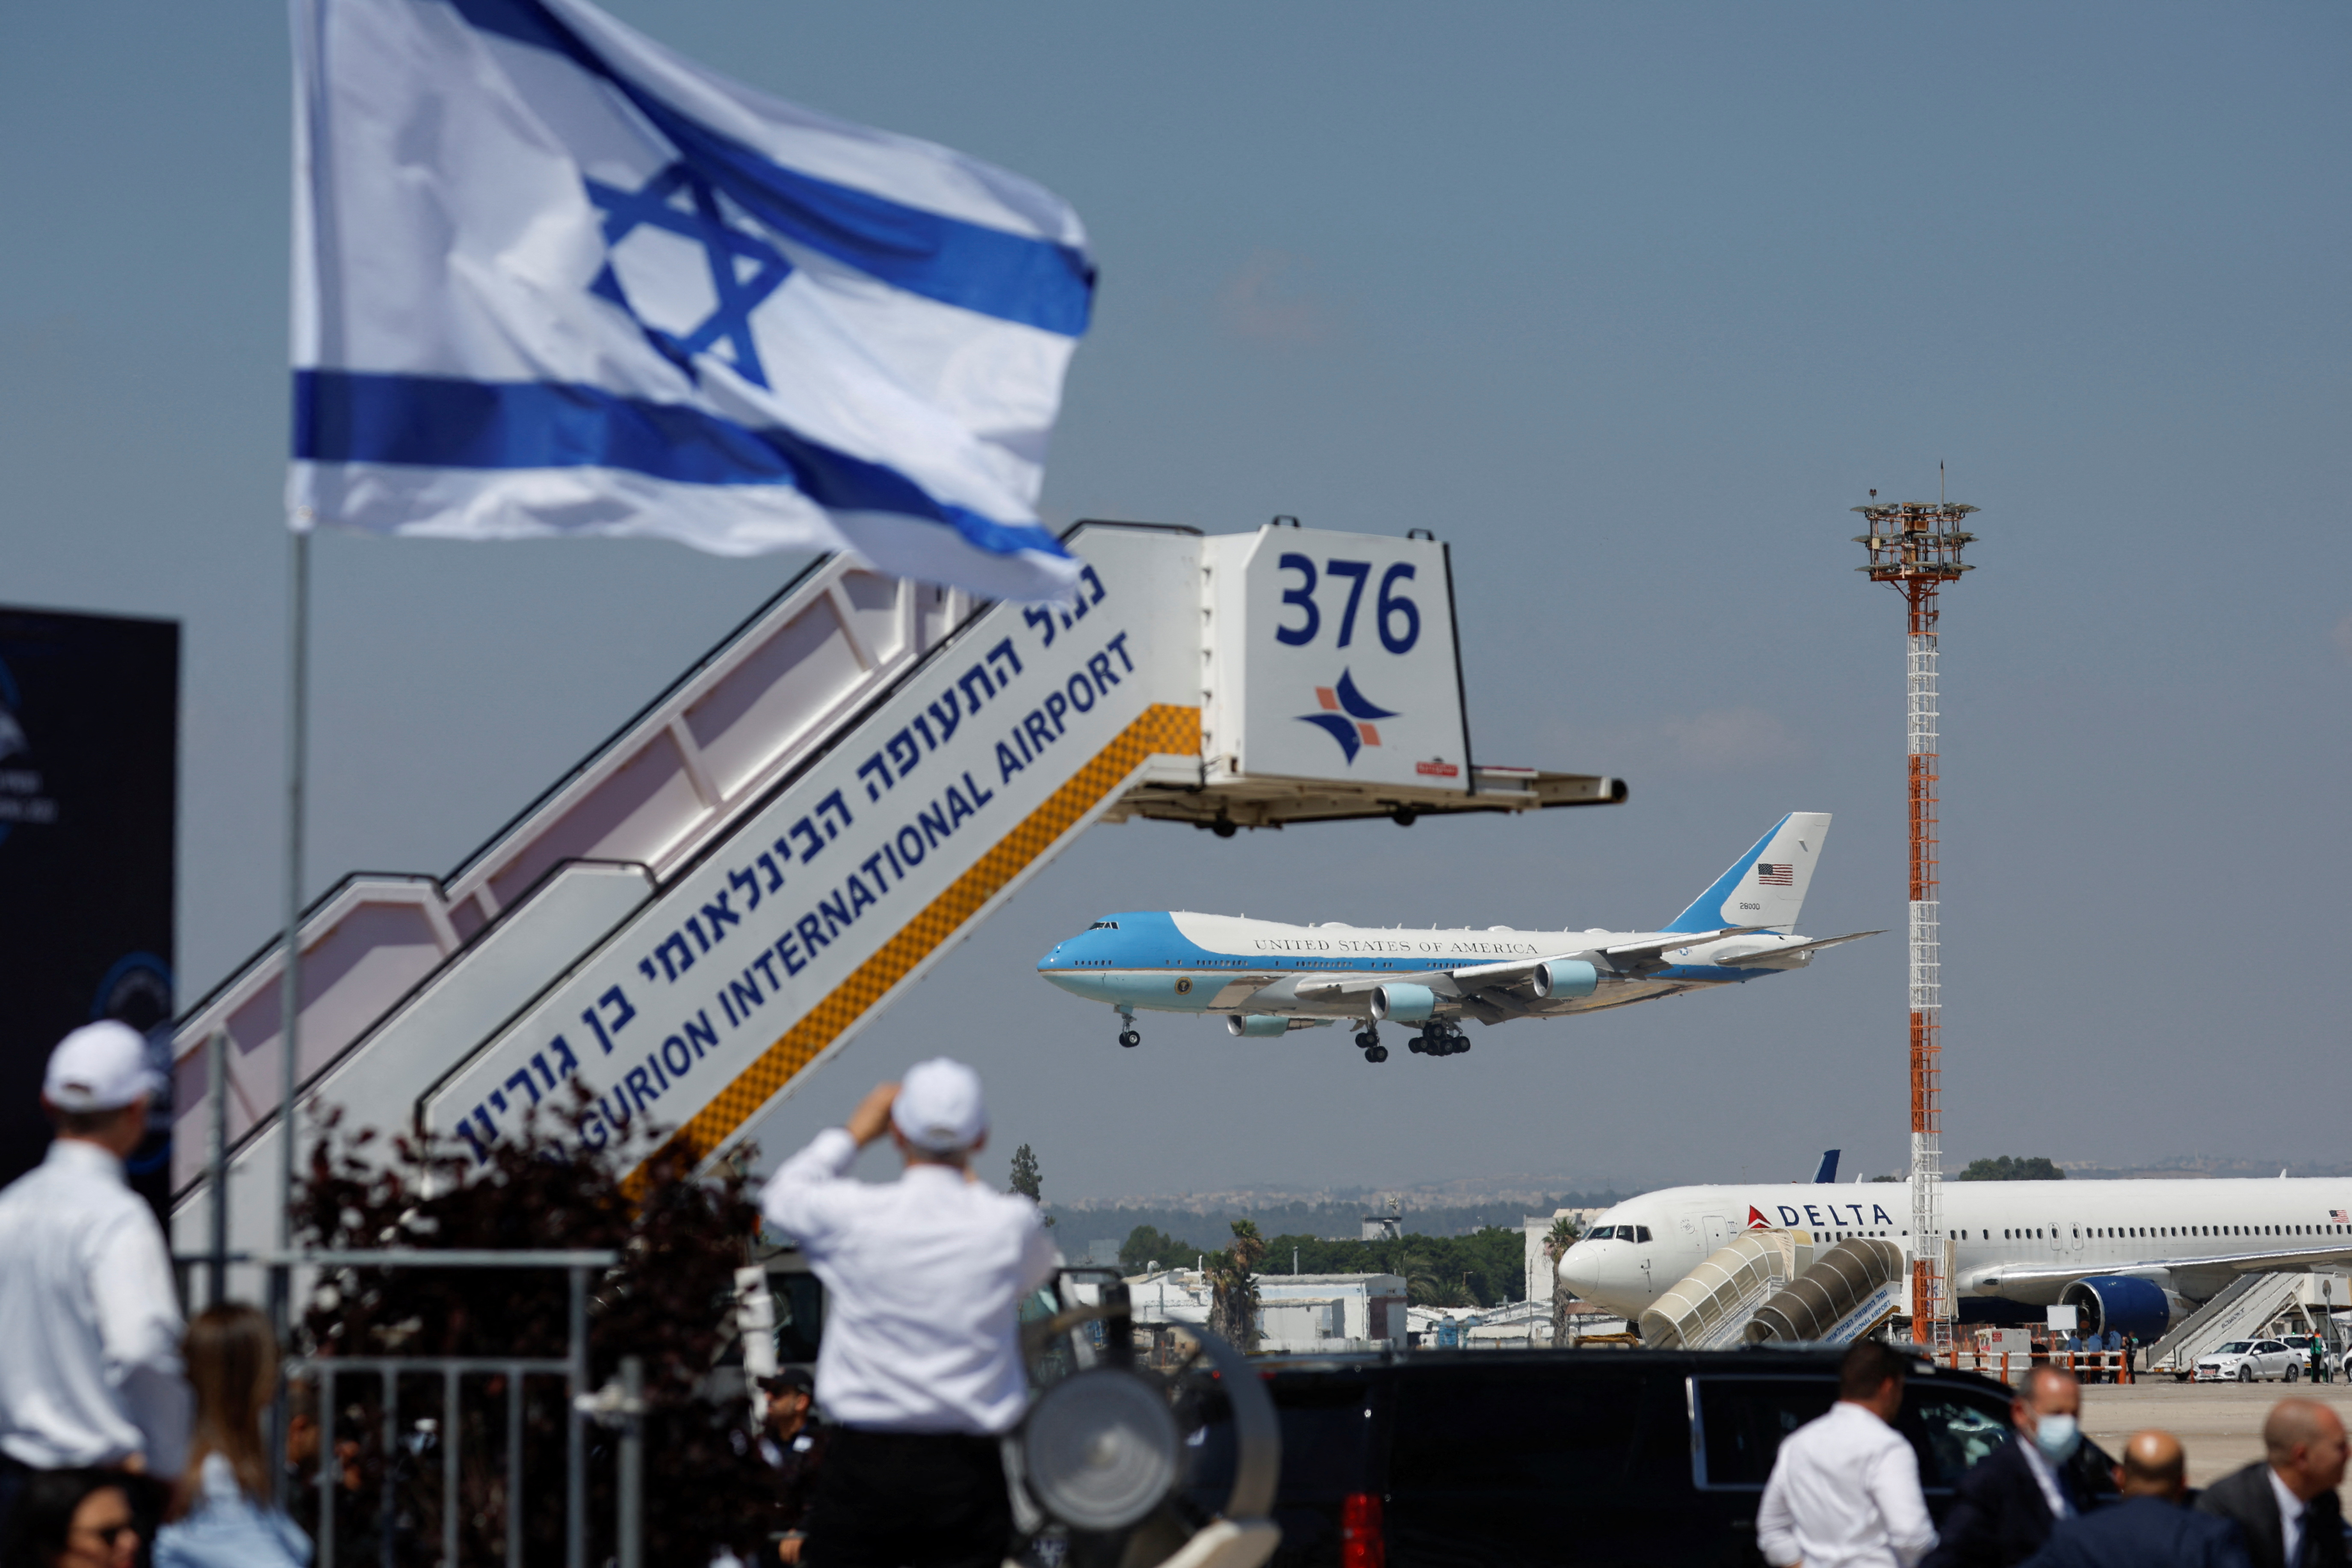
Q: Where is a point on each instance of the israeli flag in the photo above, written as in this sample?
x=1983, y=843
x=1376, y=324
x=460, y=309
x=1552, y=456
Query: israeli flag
x=552, y=278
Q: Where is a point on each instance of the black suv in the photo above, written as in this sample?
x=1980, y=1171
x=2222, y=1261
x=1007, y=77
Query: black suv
x=1500, y=1459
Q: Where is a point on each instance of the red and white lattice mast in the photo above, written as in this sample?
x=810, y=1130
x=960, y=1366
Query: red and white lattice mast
x=1917, y=547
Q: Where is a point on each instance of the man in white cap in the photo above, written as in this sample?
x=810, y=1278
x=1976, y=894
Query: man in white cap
x=920, y=1363
x=89, y=1323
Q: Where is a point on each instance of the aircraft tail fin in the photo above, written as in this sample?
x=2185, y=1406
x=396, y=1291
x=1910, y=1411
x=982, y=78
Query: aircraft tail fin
x=1765, y=887
x=1828, y=1170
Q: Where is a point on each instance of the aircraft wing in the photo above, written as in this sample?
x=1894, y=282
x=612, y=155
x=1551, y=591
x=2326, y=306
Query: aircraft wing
x=1780, y=957
x=1631, y=957
x=1994, y=1276
x=1347, y=985
x=1641, y=957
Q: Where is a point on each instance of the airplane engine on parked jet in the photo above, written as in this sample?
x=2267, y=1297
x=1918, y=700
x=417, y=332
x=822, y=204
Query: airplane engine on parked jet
x=1404, y=1003
x=2138, y=1307
x=1566, y=978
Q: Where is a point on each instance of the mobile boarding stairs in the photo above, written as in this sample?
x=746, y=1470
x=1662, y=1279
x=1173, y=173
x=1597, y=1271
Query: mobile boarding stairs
x=2252, y=1307
x=763, y=859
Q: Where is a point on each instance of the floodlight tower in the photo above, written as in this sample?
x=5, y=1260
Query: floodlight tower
x=1917, y=547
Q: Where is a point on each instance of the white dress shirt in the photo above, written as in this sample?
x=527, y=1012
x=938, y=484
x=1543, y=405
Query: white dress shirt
x=1844, y=1493
x=89, y=1319
x=2045, y=1477
x=2291, y=1511
x=924, y=1279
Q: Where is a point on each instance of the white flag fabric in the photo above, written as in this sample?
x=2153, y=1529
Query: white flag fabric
x=551, y=278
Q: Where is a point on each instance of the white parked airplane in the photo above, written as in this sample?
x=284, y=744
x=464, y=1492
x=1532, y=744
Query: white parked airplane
x=1267, y=978
x=2133, y=1255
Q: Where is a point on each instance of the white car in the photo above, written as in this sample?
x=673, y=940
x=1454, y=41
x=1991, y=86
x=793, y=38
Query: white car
x=2249, y=1361
x=2301, y=1344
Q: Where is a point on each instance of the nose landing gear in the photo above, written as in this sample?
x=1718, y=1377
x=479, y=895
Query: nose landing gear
x=1127, y=1037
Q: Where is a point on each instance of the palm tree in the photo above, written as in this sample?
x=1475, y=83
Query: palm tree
x=1233, y=1286
x=1556, y=1243
x=1422, y=1285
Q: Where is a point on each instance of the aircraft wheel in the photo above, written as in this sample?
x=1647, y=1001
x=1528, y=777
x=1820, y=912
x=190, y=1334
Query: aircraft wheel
x=1418, y=1044
x=1367, y=1039
x=1460, y=1044
x=1377, y=1054
x=1130, y=1038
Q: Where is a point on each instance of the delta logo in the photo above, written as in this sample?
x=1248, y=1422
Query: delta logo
x=1347, y=715
x=1756, y=1220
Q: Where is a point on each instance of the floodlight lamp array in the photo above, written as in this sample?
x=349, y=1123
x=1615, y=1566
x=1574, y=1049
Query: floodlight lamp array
x=1914, y=542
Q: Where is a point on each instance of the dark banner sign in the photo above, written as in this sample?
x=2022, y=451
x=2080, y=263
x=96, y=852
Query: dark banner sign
x=90, y=739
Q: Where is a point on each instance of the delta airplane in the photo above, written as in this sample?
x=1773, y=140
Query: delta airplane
x=1267, y=978
x=2133, y=1256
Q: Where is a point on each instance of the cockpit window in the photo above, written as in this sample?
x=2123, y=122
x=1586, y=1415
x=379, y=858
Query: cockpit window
x=1641, y=1233
x=1104, y=925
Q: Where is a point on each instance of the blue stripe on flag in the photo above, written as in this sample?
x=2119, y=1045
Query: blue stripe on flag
x=436, y=422
x=1012, y=277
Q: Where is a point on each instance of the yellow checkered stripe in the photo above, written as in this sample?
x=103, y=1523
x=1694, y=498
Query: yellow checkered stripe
x=1162, y=729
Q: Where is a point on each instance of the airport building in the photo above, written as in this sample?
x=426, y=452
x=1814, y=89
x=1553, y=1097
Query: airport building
x=1296, y=1312
x=1309, y=1312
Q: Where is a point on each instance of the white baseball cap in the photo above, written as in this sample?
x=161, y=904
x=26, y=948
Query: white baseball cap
x=100, y=1066
x=939, y=1108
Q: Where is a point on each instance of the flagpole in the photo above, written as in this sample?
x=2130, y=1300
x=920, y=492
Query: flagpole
x=289, y=990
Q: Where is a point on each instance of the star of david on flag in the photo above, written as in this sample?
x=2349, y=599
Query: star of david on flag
x=553, y=278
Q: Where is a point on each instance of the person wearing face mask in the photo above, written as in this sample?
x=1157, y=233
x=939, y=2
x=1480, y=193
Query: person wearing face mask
x=2008, y=1504
x=2149, y=1528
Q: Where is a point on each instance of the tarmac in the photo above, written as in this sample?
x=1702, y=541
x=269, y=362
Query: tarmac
x=2219, y=1424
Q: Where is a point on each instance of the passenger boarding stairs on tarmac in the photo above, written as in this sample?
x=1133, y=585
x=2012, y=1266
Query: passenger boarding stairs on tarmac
x=757, y=864
x=1774, y=1284
x=2246, y=1309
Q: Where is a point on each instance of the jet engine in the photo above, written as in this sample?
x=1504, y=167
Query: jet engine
x=1565, y=978
x=1404, y=1003
x=2118, y=1301
x=1256, y=1025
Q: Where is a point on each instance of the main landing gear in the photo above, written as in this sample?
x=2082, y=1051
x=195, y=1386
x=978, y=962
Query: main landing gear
x=1439, y=1038
x=1126, y=1035
x=1369, y=1037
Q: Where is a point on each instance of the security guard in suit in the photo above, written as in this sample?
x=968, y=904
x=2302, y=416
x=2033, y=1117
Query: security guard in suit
x=2287, y=1504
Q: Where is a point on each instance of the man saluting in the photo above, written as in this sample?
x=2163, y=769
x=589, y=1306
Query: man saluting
x=920, y=1363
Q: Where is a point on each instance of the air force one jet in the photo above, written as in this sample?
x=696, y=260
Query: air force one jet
x=2134, y=1255
x=1267, y=978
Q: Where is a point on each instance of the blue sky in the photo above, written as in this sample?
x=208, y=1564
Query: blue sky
x=1628, y=303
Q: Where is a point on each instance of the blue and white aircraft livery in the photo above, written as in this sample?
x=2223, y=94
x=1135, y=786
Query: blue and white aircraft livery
x=2131, y=1255
x=1268, y=978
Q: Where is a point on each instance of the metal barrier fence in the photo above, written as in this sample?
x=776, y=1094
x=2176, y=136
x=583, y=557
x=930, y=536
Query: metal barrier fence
x=2013, y=1366
x=620, y=1405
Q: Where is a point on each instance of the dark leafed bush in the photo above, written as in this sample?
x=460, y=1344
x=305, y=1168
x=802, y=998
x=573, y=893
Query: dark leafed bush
x=2012, y=1168
x=669, y=1302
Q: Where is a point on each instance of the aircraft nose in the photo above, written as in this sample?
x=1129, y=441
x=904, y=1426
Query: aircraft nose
x=1580, y=1271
